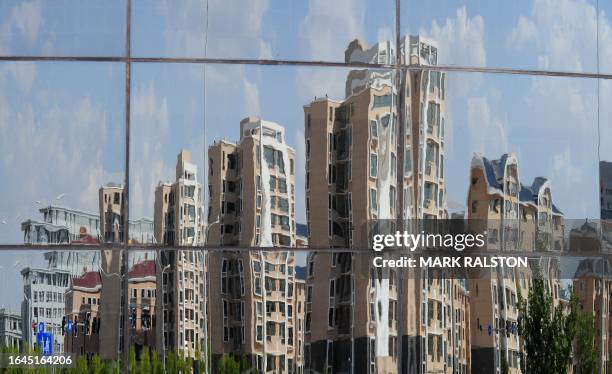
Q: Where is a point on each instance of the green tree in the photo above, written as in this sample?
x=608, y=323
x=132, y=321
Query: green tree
x=157, y=365
x=171, y=362
x=228, y=365
x=132, y=365
x=98, y=366
x=547, y=331
x=586, y=350
x=80, y=366
x=244, y=364
x=145, y=361
x=182, y=362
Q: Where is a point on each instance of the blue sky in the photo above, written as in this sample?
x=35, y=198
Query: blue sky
x=61, y=124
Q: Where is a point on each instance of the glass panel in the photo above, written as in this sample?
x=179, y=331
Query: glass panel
x=62, y=137
x=61, y=296
x=605, y=37
x=167, y=167
x=62, y=28
x=287, y=30
x=296, y=120
x=521, y=34
x=548, y=123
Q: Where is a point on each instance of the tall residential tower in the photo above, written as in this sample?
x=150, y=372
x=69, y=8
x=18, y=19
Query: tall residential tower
x=178, y=222
x=252, y=203
x=378, y=157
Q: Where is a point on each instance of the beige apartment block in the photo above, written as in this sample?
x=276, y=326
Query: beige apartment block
x=252, y=203
x=83, y=304
x=181, y=301
x=593, y=288
x=142, y=291
x=111, y=200
x=260, y=310
x=85, y=308
x=378, y=156
x=516, y=217
x=252, y=188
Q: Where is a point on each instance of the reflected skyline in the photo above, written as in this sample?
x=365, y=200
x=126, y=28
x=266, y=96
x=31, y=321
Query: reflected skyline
x=243, y=155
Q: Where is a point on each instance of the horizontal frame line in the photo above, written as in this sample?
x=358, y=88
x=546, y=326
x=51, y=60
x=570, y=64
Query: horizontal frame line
x=231, y=61
x=365, y=251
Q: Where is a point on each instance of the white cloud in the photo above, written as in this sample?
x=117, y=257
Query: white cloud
x=487, y=133
x=27, y=19
x=234, y=28
x=385, y=33
x=524, y=32
x=4, y=114
x=563, y=101
x=23, y=73
x=48, y=151
x=24, y=20
x=251, y=95
x=460, y=39
x=151, y=128
x=560, y=34
x=605, y=43
x=563, y=169
x=265, y=50
x=606, y=119
x=318, y=43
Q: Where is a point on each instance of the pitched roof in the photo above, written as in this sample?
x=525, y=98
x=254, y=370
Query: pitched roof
x=526, y=195
x=142, y=270
x=89, y=281
x=493, y=170
x=494, y=173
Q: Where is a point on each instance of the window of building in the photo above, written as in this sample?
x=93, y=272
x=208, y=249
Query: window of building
x=381, y=101
x=373, y=199
x=373, y=165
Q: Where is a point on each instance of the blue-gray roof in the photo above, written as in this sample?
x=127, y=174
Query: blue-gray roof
x=301, y=229
x=526, y=194
x=537, y=184
x=491, y=173
x=300, y=272
x=494, y=172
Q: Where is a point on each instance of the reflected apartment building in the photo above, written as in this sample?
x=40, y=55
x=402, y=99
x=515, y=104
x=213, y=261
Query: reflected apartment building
x=61, y=225
x=11, y=329
x=111, y=200
x=252, y=204
x=44, y=288
x=83, y=310
x=378, y=155
x=43, y=304
x=178, y=222
x=593, y=287
x=516, y=217
x=112, y=207
x=605, y=202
